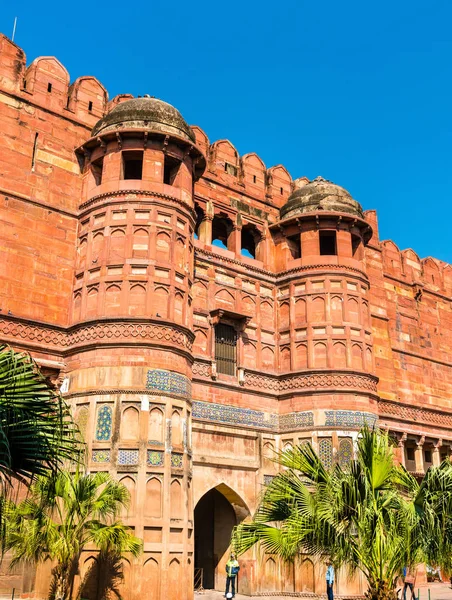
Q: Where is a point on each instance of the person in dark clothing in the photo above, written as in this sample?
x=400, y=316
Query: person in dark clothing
x=232, y=570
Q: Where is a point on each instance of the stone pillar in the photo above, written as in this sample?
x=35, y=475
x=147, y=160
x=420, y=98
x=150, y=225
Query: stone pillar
x=419, y=455
x=436, y=453
x=400, y=450
x=205, y=230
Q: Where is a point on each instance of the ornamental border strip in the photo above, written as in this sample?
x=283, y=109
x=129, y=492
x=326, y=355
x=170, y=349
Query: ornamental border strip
x=98, y=331
x=137, y=192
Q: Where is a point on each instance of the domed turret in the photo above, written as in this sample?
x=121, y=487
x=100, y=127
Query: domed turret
x=320, y=195
x=145, y=113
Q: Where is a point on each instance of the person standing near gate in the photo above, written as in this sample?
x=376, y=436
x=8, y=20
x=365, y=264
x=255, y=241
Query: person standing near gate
x=329, y=581
x=232, y=570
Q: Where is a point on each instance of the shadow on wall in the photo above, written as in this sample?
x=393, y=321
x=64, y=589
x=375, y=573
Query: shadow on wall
x=103, y=579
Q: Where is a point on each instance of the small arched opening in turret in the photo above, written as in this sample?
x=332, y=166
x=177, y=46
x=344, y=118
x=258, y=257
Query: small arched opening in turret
x=97, y=167
x=328, y=246
x=221, y=230
x=356, y=246
x=132, y=164
x=170, y=169
x=200, y=216
x=250, y=242
x=294, y=245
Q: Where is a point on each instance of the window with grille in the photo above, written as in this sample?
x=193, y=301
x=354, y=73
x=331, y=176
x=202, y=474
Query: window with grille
x=225, y=349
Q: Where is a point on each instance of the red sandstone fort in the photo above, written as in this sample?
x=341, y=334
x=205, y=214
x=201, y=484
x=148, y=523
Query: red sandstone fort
x=200, y=311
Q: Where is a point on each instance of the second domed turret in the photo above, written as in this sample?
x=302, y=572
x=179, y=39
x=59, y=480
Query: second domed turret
x=320, y=195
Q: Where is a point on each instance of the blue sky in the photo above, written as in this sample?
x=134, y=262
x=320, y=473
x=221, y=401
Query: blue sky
x=358, y=92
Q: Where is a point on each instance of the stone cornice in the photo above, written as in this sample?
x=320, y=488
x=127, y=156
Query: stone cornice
x=414, y=414
x=278, y=278
x=122, y=194
x=301, y=383
x=98, y=333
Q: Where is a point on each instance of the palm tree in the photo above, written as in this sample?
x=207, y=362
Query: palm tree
x=62, y=515
x=372, y=516
x=36, y=430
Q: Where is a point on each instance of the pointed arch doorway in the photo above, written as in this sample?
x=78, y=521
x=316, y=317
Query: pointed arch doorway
x=216, y=513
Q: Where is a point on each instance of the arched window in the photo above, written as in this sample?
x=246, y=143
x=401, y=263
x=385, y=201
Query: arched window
x=200, y=216
x=250, y=241
x=221, y=230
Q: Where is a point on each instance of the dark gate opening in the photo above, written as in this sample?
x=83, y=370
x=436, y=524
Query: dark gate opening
x=214, y=521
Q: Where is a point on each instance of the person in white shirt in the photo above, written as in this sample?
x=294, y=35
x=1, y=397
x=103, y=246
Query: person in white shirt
x=329, y=581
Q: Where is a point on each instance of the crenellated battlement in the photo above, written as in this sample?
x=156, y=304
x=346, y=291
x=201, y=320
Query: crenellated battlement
x=406, y=265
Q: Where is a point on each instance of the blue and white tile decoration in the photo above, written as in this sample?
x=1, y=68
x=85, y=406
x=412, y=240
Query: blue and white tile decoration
x=168, y=381
x=104, y=424
x=100, y=456
x=295, y=420
x=155, y=458
x=127, y=457
x=349, y=418
x=233, y=415
x=177, y=460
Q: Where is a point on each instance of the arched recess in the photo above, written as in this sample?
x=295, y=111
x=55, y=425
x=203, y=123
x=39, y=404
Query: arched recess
x=178, y=307
x=320, y=355
x=300, y=310
x=199, y=293
x=153, y=500
x=339, y=355
x=268, y=357
x=163, y=246
x=285, y=359
x=224, y=298
x=151, y=579
x=81, y=253
x=317, y=310
x=156, y=422
x=130, y=485
x=216, y=513
x=130, y=424
x=113, y=300
x=301, y=356
x=137, y=300
x=176, y=429
x=174, y=579
x=267, y=316
x=176, y=499
x=270, y=579
x=160, y=299
x=353, y=310
x=336, y=309
x=117, y=245
x=76, y=307
x=140, y=248
x=249, y=353
x=92, y=299
x=304, y=576
x=89, y=575
x=200, y=343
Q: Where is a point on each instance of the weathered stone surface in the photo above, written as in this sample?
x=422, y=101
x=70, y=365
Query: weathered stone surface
x=115, y=286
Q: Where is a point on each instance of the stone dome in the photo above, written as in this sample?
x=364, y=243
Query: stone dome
x=320, y=195
x=145, y=113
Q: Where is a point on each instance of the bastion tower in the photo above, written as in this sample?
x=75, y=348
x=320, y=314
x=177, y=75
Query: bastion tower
x=129, y=367
x=325, y=336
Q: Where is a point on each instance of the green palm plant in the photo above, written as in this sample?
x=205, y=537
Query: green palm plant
x=64, y=514
x=37, y=433
x=372, y=516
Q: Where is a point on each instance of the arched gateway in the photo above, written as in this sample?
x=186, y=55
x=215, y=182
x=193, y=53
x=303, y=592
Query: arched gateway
x=216, y=513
